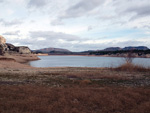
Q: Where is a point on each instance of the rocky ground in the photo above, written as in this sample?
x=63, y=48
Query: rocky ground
x=65, y=77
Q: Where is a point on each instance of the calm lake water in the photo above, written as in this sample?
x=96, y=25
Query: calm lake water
x=84, y=61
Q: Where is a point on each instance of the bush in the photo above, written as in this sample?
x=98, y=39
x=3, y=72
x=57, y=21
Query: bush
x=131, y=67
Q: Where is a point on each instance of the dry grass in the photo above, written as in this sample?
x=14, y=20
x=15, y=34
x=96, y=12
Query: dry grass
x=74, y=90
x=66, y=77
x=7, y=59
x=132, y=67
x=41, y=99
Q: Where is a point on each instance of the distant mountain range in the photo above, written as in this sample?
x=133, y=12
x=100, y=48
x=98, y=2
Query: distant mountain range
x=65, y=51
x=126, y=48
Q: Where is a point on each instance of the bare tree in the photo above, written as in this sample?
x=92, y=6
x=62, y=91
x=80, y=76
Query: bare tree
x=129, y=57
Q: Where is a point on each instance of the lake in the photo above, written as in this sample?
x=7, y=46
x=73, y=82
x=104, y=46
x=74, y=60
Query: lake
x=84, y=61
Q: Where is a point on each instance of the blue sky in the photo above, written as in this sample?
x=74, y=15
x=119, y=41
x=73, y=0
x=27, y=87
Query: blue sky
x=77, y=25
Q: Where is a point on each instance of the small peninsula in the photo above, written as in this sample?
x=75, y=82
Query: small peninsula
x=16, y=55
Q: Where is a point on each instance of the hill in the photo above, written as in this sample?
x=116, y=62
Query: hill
x=52, y=50
x=136, y=48
x=112, y=49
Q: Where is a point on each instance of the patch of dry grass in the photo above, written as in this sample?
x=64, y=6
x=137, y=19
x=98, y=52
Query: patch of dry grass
x=132, y=67
x=7, y=59
x=41, y=99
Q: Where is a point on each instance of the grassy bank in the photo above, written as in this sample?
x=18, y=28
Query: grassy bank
x=41, y=99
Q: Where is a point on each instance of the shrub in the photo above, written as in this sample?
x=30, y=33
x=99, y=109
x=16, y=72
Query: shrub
x=131, y=67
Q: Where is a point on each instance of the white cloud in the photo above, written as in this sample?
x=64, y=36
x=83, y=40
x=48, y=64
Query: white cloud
x=57, y=22
x=89, y=28
x=37, y=3
x=80, y=9
x=12, y=33
x=50, y=35
x=10, y=23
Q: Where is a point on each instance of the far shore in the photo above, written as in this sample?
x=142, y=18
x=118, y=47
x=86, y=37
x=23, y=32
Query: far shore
x=89, y=55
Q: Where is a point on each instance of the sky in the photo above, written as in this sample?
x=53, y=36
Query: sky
x=76, y=25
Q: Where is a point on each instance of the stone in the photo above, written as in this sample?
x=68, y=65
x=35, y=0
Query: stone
x=6, y=48
x=2, y=40
x=3, y=49
x=23, y=50
x=3, y=46
x=10, y=47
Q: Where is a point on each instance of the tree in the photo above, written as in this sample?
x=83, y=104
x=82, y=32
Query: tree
x=129, y=57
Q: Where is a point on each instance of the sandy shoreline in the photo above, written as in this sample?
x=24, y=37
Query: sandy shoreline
x=17, y=61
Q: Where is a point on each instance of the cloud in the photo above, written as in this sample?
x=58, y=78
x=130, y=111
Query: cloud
x=43, y=39
x=50, y=35
x=85, y=21
x=147, y=26
x=57, y=22
x=12, y=33
x=138, y=8
x=130, y=43
x=11, y=23
x=89, y=28
x=81, y=8
x=37, y=3
x=140, y=11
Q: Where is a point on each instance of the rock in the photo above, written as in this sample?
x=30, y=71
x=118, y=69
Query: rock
x=23, y=50
x=6, y=48
x=10, y=47
x=2, y=40
x=3, y=46
x=3, y=49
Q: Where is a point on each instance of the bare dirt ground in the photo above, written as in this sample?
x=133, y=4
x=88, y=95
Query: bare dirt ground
x=25, y=89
